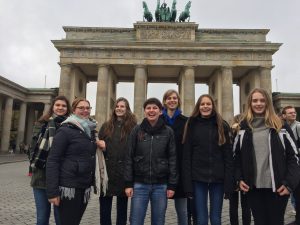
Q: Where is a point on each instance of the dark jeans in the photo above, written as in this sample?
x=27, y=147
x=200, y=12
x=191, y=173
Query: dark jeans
x=192, y=220
x=71, y=210
x=296, y=195
x=142, y=194
x=216, y=193
x=233, y=208
x=267, y=207
x=43, y=207
x=181, y=210
x=105, y=210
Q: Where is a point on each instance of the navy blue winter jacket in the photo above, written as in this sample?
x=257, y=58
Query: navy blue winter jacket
x=71, y=162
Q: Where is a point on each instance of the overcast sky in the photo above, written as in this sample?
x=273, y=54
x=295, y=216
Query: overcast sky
x=28, y=26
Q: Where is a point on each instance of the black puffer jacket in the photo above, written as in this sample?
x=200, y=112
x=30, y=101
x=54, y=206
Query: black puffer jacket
x=203, y=159
x=178, y=128
x=71, y=162
x=284, y=163
x=151, y=156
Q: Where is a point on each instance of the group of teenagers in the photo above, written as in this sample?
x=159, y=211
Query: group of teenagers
x=166, y=156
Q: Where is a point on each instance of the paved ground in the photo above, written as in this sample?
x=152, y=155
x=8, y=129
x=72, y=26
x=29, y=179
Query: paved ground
x=17, y=204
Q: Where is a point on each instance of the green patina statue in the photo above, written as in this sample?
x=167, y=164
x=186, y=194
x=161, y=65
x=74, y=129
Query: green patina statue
x=147, y=14
x=186, y=13
x=164, y=14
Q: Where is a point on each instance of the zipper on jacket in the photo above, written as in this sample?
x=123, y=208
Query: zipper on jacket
x=151, y=146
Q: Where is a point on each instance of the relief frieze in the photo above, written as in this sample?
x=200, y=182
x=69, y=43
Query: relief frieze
x=153, y=34
x=164, y=55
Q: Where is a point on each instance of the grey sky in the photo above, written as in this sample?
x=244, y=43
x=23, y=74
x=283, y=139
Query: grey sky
x=27, y=26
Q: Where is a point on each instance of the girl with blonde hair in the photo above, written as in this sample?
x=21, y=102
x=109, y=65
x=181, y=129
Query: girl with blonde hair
x=267, y=168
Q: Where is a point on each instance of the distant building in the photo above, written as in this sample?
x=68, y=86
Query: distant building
x=20, y=107
x=280, y=100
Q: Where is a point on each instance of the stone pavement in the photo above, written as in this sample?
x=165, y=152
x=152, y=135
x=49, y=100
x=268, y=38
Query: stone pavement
x=10, y=158
x=17, y=205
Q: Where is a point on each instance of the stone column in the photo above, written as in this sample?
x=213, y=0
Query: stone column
x=265, y=79
x=5, y=137
x=30, y=123
x=65, y=81
x=188, y=90
x=1, y=104
x=102, y=105
x=21, y=125
x=227, y=94
x=140, y=90
x=46, y=108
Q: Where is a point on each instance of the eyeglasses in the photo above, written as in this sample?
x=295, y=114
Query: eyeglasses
x=82, y=108
x=292, y=113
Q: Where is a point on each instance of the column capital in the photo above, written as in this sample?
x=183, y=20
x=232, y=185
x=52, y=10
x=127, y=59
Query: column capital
x=226, y=68
x=189, y=66
x=140, y=66
x=266, y=67
x=103, y=65
x=65, y=64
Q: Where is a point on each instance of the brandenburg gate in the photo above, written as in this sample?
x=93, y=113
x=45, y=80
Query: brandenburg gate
x=164, y=52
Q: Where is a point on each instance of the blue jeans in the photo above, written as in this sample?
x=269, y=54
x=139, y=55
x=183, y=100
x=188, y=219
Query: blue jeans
x=105, y=210
x=43, y=208
x=216, y=193
x=142, y=193
x=293, y=201
x=181, y=210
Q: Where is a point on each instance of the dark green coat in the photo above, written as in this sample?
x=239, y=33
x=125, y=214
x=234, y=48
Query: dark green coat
x=114, y=158
x=38, y=179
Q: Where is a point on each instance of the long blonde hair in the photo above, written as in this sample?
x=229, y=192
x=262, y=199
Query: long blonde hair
x=220, y=121
x=271, y=119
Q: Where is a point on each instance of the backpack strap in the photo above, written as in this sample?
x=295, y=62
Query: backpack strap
x=239, y=136
x=282, y=133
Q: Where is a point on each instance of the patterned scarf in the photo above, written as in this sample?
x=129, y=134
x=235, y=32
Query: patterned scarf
x=44, y=141
x=86, y=125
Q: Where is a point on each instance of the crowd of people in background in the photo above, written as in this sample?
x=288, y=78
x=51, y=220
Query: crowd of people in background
x=196, y=160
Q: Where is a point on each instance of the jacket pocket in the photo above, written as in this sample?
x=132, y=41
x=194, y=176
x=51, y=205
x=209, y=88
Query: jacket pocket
x=162, y=140
x=162, y=165
x=84, y=167
x=138, y=165
x=69, y=168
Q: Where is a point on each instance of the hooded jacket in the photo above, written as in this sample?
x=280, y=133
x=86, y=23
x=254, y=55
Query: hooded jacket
x=284, y=163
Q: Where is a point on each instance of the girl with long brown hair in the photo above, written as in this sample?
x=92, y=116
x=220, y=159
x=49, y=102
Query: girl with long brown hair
x=207, y=160
x=115, y=133
x=44, y=132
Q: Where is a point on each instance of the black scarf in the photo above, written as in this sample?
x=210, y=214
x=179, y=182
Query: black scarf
x=146, y=126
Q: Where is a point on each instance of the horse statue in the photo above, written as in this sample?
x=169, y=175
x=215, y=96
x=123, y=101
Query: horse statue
x=157, y=12
x=173, y=11
x=147, y=14
x=186, y=13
